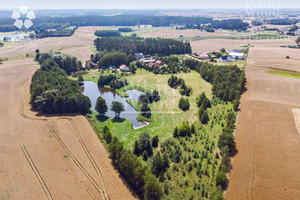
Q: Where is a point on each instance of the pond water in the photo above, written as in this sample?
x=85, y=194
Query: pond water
x=15, y=37
x=91, y=90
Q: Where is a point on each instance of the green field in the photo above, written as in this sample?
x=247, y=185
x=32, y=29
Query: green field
x=240, y=36
x=282, y=72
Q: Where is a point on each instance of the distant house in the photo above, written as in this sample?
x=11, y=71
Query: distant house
x=235, y=51
x=90, y=65
x=139, y=56
x=236, y=55
x=153, y=64
x=51, y=30
x=124, y=68
x=160, y=63
x=111, y=67
x=225, y=59
x=147, y=60
x=204, y=55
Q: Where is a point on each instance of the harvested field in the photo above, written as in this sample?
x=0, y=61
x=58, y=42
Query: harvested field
x=268, y=143
x=49, y=157
x=209, y=45
x=78, y=45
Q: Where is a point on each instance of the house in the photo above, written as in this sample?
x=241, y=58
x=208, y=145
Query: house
x=139, y=56
x=204, y=55
x=90, y=65
x=111, y=67
x=153, y=64
x=51, y=30
x=159, y=63
x=225, y=59
x=147, y=60
x=237, y=56
x=236, y=51
x=124, y=68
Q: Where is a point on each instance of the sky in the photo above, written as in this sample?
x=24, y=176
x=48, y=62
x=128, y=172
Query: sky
x=147, y=4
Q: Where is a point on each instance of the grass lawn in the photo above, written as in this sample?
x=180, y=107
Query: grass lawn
x=282, y=72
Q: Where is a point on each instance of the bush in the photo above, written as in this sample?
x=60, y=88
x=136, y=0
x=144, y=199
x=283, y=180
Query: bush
x=184, y=129
x=220, y=178
x=184, y=104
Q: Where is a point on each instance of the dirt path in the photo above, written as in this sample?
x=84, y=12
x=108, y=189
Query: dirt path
x=49, y=157
x=268, y=143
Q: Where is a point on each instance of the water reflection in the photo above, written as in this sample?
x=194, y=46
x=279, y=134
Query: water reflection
x=91, y=90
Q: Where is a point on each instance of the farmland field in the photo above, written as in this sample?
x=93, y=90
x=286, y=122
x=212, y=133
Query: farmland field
x=266, y=165
x=49, y=157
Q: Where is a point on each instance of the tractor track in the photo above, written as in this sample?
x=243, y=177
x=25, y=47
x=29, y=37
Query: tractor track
x=28, y=157
x=101, y=191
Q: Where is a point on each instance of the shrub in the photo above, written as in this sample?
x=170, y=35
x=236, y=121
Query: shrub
x=184, y=104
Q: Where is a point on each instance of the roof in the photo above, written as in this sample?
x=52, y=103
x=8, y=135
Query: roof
x=236, y=54
x=152, y=64
x=122, y=67
x=204, y=55
x=89, y=64
x=159, y=62
x=225, y=57
x=236, y=51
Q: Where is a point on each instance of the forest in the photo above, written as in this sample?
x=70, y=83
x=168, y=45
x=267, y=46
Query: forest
x=228, y=24
x=67, y=63
x=114, y=59
x=107, y=33
x=131, y=45
x=53, y=92
x=228, y=81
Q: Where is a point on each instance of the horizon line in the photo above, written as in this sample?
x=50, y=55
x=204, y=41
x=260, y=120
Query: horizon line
x=240, y=8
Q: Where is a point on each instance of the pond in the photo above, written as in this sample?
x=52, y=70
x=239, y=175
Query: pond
x=91, y=90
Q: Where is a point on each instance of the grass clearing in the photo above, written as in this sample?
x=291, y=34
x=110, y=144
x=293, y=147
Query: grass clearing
x=282, y=72
x=165, y=113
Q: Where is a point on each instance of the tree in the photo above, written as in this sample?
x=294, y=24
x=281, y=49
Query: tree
x=80, y=80
x=203, y=116
x=223, y=50
x=145, y=110
x=117, y=107
x=145, y=156
x=107, y=134
x=132, y=68
x=298, y=40
x=220, y=178
x=148, y=148
x=193, y=129
x=155, y=141
x=153, y=190
x=236, y=104
x=175, y=132
x=101, y=106
x=184, y=104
